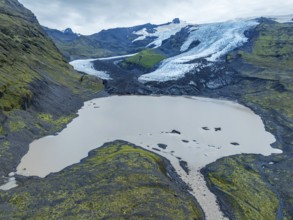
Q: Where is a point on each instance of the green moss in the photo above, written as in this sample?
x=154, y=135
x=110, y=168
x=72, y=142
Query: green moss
x=146, y=59
x=16, y=125
x=56, y=122
x=273, y=47
x=118, y=181
x=128, y=152
x=5, y=144
x=21, y=201
x=45, y=117
x=242, y=188
x=2, y=131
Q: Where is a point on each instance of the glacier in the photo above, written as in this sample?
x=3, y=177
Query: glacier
x=161, y=33
x=216, y=40
x=87, y=66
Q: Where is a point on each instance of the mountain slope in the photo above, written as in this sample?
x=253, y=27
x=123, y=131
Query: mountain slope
x=113, y=42
x=106, y=43
x=265, y=68
x=28, y=56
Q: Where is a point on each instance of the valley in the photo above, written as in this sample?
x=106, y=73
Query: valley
x=142, y=165
x=244, y=75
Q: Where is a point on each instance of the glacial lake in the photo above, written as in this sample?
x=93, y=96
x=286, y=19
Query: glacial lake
x=204, y=130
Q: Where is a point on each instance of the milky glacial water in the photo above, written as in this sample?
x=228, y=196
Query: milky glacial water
x=211, y=129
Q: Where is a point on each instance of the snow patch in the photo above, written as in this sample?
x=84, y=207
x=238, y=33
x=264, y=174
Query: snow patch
x=216, y=40
x=143, y=34
x=10, y=182
x=161, y=33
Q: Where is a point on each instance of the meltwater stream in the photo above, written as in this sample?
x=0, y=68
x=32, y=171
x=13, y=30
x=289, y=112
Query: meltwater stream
x=207, y=129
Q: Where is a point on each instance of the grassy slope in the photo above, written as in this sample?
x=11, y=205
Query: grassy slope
x=146, y=59
x=269, y=90
x=118, y=181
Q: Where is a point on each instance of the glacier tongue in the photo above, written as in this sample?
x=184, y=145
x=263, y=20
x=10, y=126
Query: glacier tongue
x=87, y=67
x=216, y=40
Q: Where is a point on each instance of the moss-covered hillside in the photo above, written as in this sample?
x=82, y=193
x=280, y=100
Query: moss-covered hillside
x=269, y=63
x=241, y=189
x=272, y=47
x=272, y=54
x=35, y=81
x=146, y=59
x=117, y=181
x=255, y=187
x=26, y=57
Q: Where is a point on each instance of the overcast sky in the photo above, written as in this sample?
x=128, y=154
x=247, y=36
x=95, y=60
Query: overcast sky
x=91, y=16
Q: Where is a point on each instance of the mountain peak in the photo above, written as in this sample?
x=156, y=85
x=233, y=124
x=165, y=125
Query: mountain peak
x=176, y=21
x=68, y=31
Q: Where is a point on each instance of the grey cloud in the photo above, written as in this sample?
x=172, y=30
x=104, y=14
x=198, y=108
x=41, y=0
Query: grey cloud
x=89, y=16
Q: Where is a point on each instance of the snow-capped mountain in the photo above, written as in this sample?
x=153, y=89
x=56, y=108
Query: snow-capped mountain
x=199, y=46
x=116, y=41
x=192, y=55
x=171, y=38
